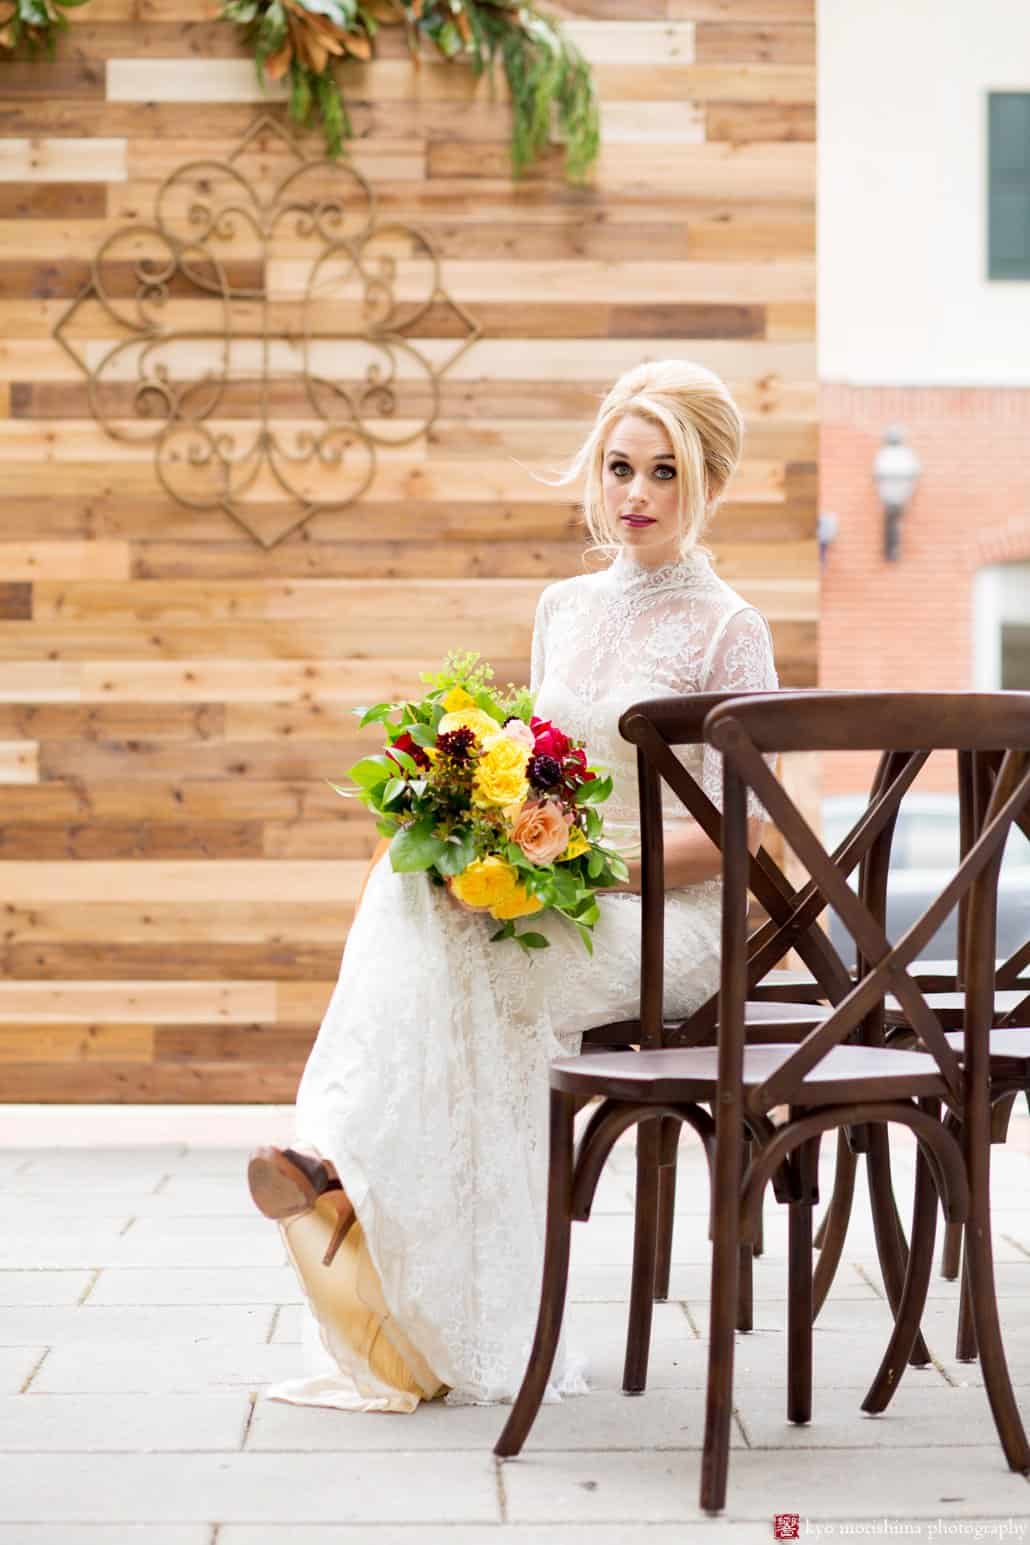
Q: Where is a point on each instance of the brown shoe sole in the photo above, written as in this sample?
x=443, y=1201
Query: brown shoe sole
x=278, y=1187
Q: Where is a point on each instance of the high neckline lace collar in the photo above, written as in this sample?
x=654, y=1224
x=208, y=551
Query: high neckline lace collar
x=629, y=574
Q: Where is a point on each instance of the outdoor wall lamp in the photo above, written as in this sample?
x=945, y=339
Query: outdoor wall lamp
x=896, y=469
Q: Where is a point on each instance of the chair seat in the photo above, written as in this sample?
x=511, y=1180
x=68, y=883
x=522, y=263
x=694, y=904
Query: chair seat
x=764, y=1021
x=950, y=1007
x=788, y=987
x=690, y=1073
x=1010, y=1045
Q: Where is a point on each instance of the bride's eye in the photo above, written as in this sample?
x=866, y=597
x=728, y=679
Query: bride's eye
x=664, y=473
x=620, y=468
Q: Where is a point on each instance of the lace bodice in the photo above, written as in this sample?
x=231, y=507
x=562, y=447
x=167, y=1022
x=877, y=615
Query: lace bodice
x=603, y=641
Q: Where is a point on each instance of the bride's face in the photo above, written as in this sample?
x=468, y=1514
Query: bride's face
x=641, y=489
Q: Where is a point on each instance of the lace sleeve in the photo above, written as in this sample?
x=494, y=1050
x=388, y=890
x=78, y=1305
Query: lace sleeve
x=536, y=666
x=739, y=660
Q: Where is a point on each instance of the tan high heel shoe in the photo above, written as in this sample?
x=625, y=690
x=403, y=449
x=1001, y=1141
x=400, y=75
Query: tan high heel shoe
x=284, y=1183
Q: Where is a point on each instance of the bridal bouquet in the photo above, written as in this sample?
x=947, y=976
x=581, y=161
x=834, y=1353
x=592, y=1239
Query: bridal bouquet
x=490, y=800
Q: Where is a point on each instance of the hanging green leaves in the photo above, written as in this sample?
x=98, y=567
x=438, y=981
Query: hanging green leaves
x=301, y=41
x=33, y=24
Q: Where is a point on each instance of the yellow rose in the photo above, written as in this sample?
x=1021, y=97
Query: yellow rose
x=474, y=719
x=457, y=698
x=577, y=844
x=519, y=904
x=501, y=773
x=485, y=883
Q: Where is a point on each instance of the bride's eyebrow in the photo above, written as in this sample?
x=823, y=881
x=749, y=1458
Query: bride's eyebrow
x=662, y=455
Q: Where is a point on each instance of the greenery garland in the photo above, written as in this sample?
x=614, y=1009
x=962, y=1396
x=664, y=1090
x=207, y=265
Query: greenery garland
x=33, y=24
x=300, y=41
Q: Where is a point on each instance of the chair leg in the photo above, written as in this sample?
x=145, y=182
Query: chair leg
x=799, y=1288
x=834, y=1227
x=669, y=1146
x=890, y=1238
x=951, y=1254
x=913, y=1296
x=724, y=1229
x=645, y=1250
x=965, y=1331
x=979, y=1268
x=555, y=1278
x=746, y=1275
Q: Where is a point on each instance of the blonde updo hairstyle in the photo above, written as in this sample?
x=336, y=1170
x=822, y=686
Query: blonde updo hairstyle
x=705, y=430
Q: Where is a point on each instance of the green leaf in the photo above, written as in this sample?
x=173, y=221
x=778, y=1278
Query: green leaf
x=595, y=824
x=370, y=771
x=534, y=941
x=594, y=792
x=595, y=863
x=374, y=715
x=507, y=932
x=586, y=936
x=388, y=826
x=423, y=735
x=406, y=760
x=393, y=790
x=458, y=852
x=415, y=848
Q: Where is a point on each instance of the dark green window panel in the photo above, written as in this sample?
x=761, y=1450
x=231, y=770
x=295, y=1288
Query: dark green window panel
x=1008, y=220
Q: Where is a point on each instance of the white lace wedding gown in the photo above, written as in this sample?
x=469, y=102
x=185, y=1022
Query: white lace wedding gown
x=427, y=1086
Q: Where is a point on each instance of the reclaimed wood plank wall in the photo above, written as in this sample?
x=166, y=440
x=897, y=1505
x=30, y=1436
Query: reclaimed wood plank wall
x=176, y=877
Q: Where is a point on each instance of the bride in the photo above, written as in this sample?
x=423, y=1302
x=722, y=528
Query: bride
x=413, y=1200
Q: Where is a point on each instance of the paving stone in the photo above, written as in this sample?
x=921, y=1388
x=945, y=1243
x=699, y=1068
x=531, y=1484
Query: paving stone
x=707, y=1533
x=913, y=1483
x=162, y=1366
x=43, y=1287
x=921, y=1415
x=602, y=1419
x=251, y=1488
x=16, y=1363
x=198, y=1285
x=155, y=1248
x=60, y=1326
x=124, y=1423
x=100, y=1534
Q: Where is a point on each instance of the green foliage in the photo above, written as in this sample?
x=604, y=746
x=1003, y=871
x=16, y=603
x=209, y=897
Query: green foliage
x=549, y=80
x=34, y=25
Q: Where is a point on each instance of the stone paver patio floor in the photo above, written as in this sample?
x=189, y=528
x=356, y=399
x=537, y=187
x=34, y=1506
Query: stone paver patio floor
x=144, y=1308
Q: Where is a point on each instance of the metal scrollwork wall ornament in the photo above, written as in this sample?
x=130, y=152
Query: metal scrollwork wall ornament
x=275, y=340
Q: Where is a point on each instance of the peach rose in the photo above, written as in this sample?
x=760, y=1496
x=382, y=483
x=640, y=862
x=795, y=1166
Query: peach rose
x=542, y=831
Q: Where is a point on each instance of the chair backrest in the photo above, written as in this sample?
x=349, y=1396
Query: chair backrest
x=656, y=727
x=990, y=733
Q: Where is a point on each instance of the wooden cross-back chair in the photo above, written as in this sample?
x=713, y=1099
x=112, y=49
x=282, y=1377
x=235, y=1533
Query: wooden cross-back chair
x=825, y=1081
x=657, y=727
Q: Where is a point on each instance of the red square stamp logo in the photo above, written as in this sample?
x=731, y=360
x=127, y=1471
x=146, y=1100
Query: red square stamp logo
x=787, y=1526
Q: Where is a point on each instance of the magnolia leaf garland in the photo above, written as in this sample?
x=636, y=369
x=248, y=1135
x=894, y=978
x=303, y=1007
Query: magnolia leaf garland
x=33, y=24
x=300, y=42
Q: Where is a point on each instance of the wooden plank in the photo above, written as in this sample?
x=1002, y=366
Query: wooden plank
x=211, y=961
x=62, y=160
x=75, y=1043
x=734, y=43
x=52, y=200
x=744, y=123
x=15, y=600
x=284, y=921
x=246, y=1044
x=19, y=761
x=190, y=880
x=64, y=560
x=266, y=760
x=388, y=80
x=540, y=560
x=772, y=171
x=133, y=840
x=632, y=42
x=126, y=1002
x=128, y=721
x=44, y=279
x=196, y=801
x=354, y=682
x=68, y=77
x=135, y=1083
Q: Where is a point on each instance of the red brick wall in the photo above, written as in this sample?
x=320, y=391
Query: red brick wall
x=908, y=624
